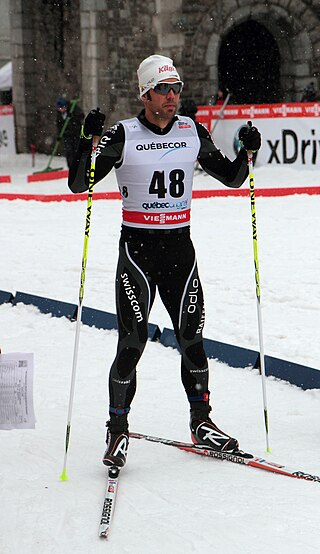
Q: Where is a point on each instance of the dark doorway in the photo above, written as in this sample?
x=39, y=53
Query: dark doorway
x=249, y=65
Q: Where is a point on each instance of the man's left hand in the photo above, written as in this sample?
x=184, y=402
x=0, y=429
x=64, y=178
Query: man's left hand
x=250, y=138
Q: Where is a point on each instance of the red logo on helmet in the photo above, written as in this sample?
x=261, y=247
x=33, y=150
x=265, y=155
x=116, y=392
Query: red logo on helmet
x=166, y=68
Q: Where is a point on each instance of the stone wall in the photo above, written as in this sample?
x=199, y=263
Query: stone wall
x=92, y=48
x=5, y=50
x=46, y=54
x=294, y=26
x=115, y=36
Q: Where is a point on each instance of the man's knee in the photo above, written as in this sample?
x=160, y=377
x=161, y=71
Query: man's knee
x=196, y=354
x=127, y=361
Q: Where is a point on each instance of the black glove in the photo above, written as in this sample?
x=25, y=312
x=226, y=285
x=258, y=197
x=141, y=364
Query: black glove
x=93, y=123
x=250, y=138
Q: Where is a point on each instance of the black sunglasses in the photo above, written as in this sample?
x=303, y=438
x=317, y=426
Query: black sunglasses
x=164, y=88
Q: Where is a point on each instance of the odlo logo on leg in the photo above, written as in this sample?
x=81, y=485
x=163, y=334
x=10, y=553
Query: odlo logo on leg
x=193, y=297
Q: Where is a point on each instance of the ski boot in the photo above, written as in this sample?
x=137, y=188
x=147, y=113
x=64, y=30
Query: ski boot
x=205, y=433
x=117, y=445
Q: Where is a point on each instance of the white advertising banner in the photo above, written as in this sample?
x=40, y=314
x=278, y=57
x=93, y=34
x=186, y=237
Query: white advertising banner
x=7, y=135
x=290, y=132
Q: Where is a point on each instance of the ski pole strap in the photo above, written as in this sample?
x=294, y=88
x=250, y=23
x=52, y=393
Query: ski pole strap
x=82, y=135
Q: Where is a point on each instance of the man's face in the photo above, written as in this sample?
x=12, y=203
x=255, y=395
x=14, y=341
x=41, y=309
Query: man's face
x=162, y=106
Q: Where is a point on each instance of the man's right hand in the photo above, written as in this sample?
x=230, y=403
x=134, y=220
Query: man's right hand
x=93, y=123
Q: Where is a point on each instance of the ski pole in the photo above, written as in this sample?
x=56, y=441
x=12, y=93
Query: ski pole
x=257, y=280
x=33, y=153
x=73, y=104
x=220, y=114
x=95, y=142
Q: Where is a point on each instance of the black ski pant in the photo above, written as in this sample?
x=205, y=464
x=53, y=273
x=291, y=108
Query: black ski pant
x=163, y=260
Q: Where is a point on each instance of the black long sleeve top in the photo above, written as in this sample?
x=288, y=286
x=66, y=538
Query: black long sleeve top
x=230, y=173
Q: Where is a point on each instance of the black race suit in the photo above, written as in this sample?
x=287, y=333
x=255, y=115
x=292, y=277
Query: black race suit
x=156, y=259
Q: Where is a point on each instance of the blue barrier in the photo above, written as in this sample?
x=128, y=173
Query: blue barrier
x=105, y=320
x=47, y=305
x=98, y=318
x=5, y=297
x=234, y=356
x=90, y=316
x=303, y=376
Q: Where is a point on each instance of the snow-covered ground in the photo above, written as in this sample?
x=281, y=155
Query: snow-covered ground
x=168, y=501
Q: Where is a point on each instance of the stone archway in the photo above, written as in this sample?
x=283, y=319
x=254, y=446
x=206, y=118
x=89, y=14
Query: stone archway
x=294, y=30
x=249, y=64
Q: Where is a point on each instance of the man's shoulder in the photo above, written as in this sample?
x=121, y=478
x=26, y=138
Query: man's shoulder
x=131, y=123
x=184, y=122
x=188, y=125
x=113, y=134
x=202, y=131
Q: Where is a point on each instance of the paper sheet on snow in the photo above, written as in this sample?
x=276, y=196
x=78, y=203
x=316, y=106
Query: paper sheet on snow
x=16, y=391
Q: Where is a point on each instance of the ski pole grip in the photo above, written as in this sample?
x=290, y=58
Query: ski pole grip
x=249, y=152
x=96, y=138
